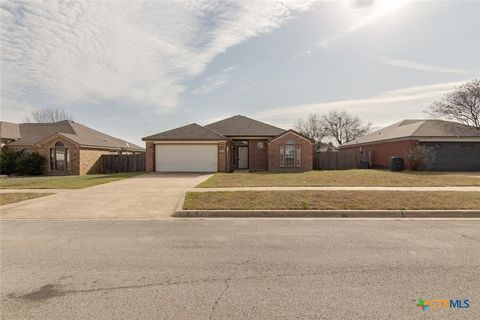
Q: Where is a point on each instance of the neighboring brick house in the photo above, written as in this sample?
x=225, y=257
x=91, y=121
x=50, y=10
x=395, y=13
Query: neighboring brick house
x=235, y=143
x=456, y=146
x=70, y=148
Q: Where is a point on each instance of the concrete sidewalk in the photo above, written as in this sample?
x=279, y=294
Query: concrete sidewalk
x=38, y=190
x=476, y=189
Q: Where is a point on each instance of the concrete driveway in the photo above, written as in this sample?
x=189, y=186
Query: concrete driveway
x=149, y=196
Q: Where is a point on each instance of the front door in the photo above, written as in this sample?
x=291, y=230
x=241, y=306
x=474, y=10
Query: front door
x=243, y=158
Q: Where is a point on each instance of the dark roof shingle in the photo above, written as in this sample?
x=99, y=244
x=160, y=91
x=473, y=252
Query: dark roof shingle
x=9, y=130
x=34, y=133
x=189, y=132
x=424, y=128
x=243, y=126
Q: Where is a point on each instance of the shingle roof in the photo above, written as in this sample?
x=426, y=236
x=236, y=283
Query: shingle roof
x=34, y=133
x=244, y=126
x=89, y=137
x=9, y=130
x=294, y=132
x=426, y=128
x=189, y=132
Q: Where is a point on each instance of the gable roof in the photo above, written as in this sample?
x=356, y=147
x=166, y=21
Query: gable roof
x=295, y=133
x=9, y=130
x=415, y=129
x=243, y=126
x=192, y=131
x=35, y=133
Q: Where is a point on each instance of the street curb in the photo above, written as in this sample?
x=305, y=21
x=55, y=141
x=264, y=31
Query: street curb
x=327, y=214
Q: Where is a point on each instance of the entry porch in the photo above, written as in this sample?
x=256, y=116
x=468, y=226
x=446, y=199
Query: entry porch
x=249, y=154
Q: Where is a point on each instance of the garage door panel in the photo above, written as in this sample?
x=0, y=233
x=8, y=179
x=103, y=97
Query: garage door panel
x=186, y=158
x=456, y=156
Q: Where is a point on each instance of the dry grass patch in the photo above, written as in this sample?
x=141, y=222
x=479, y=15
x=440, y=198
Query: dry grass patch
x=340, y=178
x=332, y=200
x=6, y=198
x=62, y=182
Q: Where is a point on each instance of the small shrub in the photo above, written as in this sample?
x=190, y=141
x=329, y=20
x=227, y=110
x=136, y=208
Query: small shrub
x=31, y=164
x=422, y=157
x=8, y=161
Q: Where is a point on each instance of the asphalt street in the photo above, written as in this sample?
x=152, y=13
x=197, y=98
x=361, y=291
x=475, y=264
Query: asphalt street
x=238, y=269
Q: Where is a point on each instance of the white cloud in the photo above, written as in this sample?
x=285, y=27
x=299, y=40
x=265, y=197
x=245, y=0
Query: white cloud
x=303, y=53
x=131, y=52
x=362, y=14
x=421, y=66
x=213, y=83
x=380, y=109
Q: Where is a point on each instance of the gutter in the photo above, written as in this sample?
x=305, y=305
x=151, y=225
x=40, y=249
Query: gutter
x=401, y=214
x=111, y=148
x=418, y=139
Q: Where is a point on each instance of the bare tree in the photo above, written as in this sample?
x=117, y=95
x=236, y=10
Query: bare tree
x=343, y=126
x=48, y=115
x=422, y=157
x=462, y=105
x=311, y=126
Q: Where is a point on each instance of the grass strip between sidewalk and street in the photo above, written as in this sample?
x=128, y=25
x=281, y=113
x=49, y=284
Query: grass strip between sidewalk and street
x=332, y=200
x=62, y=182
x=341, y=178
x=7, y=198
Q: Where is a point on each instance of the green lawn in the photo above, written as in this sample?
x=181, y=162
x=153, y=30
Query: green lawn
x=331, y=200
x=62, y=182
x=6, y=198
x=380, y=178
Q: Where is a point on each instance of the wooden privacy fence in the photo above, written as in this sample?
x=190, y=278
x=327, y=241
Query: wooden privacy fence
x=342, y=160
x=123, y=162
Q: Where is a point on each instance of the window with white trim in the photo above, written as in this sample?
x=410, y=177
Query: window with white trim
x=290, y=154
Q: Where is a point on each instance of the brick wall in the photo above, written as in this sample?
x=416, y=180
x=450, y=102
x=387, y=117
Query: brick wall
x=44, y=150
x=149, y=157
x=82, y=160
x=222, y=156
x=90, y=161
x=229, y=156
x=306, y=153
x=257, y=158
x=381, y=152
x=73, y=167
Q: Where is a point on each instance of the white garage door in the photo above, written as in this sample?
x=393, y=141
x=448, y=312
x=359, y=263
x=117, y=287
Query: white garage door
x=186, y=157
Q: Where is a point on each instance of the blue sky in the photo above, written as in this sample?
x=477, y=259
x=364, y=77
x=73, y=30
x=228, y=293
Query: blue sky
x=131, y=69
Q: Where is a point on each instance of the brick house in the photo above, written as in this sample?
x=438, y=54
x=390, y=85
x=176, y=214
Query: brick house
x=70, y=148
x=456, y=146
x=235, y=143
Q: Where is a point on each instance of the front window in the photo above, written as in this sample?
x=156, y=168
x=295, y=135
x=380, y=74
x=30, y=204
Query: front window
x=289, y=155
x=59, y=157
